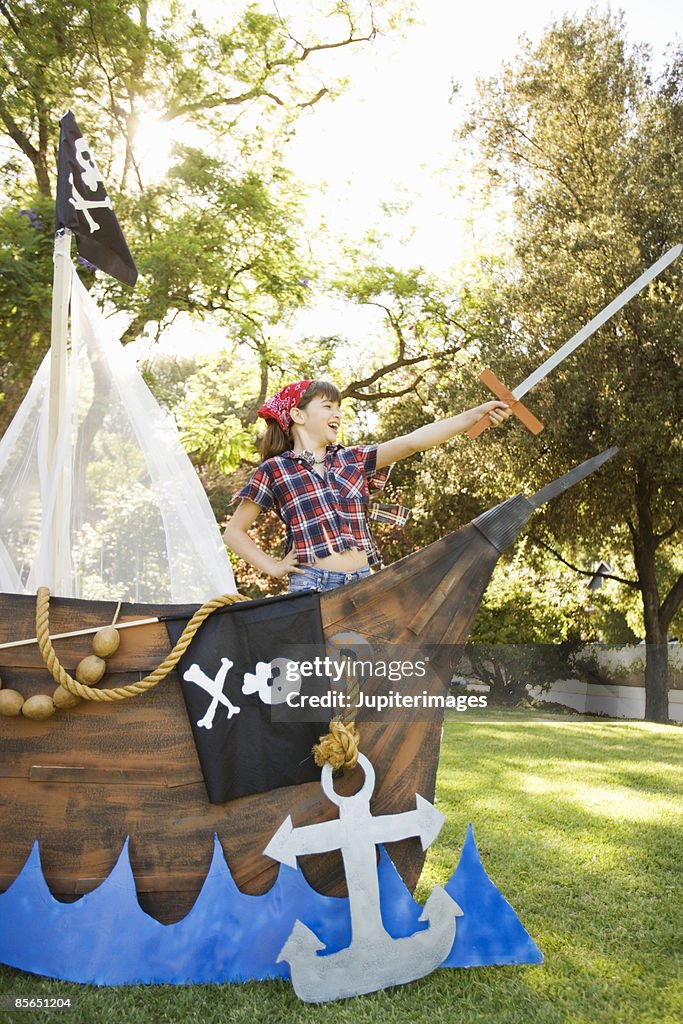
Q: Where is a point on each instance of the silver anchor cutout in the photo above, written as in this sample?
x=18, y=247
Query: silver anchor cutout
x=373, y=960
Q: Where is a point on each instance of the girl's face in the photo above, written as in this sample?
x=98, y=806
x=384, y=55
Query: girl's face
x=320, y=420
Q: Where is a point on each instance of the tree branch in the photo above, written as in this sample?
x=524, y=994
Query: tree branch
x=352, y=390
x=270, y=66
x=306, y=51
x=14, y=131
x=587, y=572
x=314, y=99
x=661, y=537
x=376, y=395
x=10, y=20
x=671, y=604
x=258, y=91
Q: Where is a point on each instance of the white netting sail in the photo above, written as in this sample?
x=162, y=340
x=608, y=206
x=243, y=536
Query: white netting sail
x=121, y=513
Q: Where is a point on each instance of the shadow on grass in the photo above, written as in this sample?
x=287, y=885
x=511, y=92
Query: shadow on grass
x=579, y=826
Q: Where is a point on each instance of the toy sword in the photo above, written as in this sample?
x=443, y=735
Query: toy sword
x=512, y=397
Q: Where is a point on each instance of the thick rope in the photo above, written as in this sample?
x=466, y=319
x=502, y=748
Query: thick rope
x=62, y=677
x=339, y=747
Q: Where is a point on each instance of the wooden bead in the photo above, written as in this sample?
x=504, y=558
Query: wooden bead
x=90, y=670
x=64, y=698
x=10, y=703
x=38, y=707
x=106, y=641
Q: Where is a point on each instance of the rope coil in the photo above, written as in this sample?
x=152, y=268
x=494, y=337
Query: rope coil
x=340, y=747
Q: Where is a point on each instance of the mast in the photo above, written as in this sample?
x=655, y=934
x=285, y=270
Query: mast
x=58, y=563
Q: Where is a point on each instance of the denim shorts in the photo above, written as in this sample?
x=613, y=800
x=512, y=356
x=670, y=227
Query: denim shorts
x=323, y=579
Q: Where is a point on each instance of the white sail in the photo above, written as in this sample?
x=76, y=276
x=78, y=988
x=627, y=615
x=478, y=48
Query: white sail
x=118, y=511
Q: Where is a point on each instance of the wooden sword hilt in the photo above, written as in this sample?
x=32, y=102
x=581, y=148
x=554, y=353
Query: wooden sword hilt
x=516, y=407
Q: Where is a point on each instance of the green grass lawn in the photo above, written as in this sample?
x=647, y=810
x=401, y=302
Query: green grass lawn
x=579, y=825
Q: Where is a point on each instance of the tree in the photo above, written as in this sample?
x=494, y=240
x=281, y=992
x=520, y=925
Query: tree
x=25, y=256
x=121, y=60
x=423, y=327
x=590, y=150
x=220, y=235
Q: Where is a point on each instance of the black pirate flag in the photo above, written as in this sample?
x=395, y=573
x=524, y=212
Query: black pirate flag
x=84, y=207
x=235, y=677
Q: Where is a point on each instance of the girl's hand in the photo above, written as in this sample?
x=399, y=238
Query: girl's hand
x=497, y=411
x=285, y=565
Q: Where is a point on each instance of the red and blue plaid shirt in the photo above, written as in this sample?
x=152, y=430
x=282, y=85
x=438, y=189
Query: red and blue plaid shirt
x=322, y=514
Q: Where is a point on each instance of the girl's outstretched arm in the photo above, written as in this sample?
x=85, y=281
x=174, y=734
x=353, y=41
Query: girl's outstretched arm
x=433, y=434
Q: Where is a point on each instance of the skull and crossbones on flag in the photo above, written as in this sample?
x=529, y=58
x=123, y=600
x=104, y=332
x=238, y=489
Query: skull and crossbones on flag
x=84, y=207
x=235, y=677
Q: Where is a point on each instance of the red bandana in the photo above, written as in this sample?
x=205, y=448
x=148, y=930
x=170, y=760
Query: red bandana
x=279, y=407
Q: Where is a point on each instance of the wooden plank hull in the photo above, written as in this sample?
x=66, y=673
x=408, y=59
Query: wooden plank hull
x=89, y=776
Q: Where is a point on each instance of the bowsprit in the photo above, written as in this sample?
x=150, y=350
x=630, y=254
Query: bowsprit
x=373, y=960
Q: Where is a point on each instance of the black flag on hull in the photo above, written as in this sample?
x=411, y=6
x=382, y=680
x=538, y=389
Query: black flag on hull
x=232, y=675
x=84, y=207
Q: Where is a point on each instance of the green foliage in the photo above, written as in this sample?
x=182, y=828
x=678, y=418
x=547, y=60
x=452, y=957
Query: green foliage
x=594, y=162
x=212, y=436
x=593, y=159
x=121, y=60
x=426, y=323
x=25, y=274
x=533, y=619
x=218, y=236
x=511, y=670
x=531, y=600
x=207, y=396
x=579, y=154
x=56, y=53
x=26, y=246
x=223, y=242
x=588, y=148
x=212, y=399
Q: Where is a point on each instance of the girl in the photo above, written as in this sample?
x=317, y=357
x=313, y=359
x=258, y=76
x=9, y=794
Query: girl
x=320, y=489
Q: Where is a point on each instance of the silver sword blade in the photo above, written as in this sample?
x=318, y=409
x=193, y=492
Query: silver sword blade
x=628, y=293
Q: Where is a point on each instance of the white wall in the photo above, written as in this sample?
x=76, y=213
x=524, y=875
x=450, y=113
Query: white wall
x=607, y=699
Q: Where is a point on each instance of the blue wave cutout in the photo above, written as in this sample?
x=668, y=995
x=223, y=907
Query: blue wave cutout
x=105, y=938
x=489, y=932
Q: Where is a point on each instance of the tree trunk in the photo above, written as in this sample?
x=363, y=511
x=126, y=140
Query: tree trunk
x=656, y=682
x=656, y=650
x=43, y=178
x=656, y=656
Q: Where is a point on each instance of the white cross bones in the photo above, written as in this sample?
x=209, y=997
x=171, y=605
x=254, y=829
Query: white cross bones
x=214, y=687
x=91, y=178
